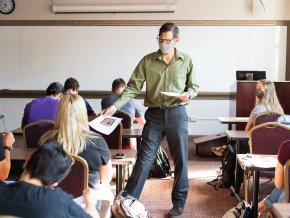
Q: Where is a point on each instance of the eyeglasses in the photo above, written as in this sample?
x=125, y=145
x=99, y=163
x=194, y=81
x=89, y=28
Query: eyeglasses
x=167, y=41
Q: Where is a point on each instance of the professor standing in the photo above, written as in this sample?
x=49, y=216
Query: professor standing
x=166, y=70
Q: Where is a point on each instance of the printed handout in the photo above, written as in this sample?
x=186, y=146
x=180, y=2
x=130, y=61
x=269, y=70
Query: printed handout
x=263, y=161
x=105, y=124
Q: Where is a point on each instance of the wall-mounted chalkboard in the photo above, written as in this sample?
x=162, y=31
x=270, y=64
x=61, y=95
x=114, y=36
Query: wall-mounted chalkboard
x=33, y=56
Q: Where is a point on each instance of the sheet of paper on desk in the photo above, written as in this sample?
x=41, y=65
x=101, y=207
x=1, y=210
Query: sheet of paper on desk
x=173, y=94
x=105, y=124
x=263, y=161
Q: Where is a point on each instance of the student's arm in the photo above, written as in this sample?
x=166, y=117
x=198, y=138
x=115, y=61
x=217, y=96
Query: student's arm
x=279, y=176
x=106, y=172
x=139, y=115
x=90, y=111
x=90, y=202
x=249, y=125
x=140, y=120
x=8, y=140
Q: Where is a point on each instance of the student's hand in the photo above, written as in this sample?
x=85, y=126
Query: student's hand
x=109, y=110
x=184, y=97
x=90, y=202
x=88, y=197
x=8, y=139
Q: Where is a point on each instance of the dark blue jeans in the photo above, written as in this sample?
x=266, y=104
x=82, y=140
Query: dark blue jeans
x=172, y=123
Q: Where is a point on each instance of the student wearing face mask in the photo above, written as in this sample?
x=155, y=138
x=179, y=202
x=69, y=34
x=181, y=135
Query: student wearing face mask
x=266, y=100
x=165, y=70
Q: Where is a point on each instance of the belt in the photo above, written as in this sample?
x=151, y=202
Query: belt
x=165, y=107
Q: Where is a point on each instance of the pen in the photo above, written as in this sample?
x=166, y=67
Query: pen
x=2, y=118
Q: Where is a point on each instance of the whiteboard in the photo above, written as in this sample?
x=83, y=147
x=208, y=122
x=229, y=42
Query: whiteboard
x=33, y=56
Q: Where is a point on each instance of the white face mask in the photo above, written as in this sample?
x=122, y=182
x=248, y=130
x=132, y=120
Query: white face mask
x=165, y=48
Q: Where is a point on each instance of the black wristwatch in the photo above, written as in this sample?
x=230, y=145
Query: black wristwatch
x=9, y=148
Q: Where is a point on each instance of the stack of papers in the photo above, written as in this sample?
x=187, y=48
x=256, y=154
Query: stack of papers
x=263, y=161
x=105, y=124
x=173, y=94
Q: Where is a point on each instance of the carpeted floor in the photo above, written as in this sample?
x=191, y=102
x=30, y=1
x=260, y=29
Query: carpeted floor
x=203, y=200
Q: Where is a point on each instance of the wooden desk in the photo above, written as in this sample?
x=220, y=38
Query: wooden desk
x=21, y=153
x=280, y=210
x=232, y=120
x=133, y=133
x=17, y=131
x=237, y=135
x=246, y=165
x=127, y=133
x=130, y=158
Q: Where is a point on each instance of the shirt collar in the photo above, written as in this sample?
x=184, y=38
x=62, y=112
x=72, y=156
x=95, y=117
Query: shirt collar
x=178, y=55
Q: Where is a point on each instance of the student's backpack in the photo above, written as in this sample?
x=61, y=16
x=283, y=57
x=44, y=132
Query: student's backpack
x=228, y=166
x=161, y=166
x=242, y=210
x=126, y=206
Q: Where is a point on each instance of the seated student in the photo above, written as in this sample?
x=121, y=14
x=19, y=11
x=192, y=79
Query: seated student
x=278, y=194
x=266, y=100
x=71, y=86
x=133, y=108
x=72, y=132
x=43, y=108
x=36, y=194
x=5, y=149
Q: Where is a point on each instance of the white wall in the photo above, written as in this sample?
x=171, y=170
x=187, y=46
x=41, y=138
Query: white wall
x=186, y=10
x=96, y=55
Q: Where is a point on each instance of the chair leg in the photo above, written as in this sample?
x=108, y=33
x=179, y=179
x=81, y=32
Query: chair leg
x=247, y=181
x=125, y=168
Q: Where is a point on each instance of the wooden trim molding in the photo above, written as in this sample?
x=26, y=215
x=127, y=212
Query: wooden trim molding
x=7, y=93
x=138, y=23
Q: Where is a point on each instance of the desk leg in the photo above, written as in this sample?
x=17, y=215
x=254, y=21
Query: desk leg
x=236, y=188
x=255, y=193
x=119, y=179
x=237, y=169
x=229, y=126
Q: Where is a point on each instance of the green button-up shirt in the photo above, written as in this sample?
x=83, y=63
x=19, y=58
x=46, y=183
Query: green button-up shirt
x=177, y=76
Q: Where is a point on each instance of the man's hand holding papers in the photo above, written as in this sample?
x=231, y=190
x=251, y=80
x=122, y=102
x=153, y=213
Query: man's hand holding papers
x=105, y=124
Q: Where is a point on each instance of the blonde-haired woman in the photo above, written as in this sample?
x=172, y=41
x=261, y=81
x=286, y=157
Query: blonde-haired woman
x=266, y=100
x=72, y=131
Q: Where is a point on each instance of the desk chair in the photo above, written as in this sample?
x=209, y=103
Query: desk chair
x=32, y=132
x=266, y=138
x=127, y=123
x=272, y=213
x=268, y=116
x=114, y=140
x=287, y=181
x=78, y=178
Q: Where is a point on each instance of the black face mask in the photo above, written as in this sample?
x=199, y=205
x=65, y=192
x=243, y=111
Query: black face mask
x=260, y=93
